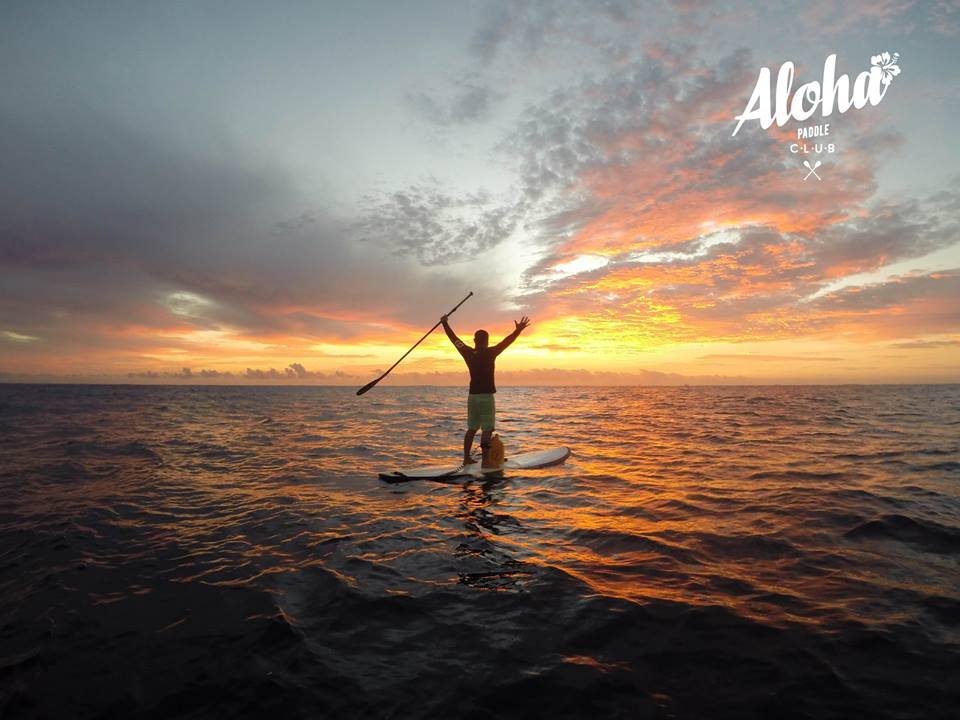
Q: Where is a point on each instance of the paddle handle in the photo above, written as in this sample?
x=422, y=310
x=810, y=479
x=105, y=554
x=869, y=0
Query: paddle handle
x=469, y=295
x=371, y=384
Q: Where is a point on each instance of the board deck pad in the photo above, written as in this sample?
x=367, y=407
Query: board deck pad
x=523, y=461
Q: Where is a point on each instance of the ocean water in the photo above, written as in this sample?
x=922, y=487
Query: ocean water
x=707, y=552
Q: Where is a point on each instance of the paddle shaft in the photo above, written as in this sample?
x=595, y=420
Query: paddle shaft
x=370, y=385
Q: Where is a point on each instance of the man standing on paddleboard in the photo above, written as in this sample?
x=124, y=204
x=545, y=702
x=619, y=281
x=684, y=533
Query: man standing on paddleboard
x=480, y=359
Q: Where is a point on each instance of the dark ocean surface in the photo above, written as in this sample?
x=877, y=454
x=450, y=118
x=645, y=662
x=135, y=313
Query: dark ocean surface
x=721, y=552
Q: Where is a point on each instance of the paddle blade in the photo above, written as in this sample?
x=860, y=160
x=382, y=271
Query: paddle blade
x=368, y=386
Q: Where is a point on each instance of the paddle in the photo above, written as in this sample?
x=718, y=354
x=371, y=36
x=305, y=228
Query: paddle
x=370, y=385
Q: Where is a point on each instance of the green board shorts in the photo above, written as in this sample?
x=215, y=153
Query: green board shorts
x=481, y=411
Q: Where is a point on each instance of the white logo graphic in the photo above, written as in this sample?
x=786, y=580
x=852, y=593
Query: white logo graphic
x=769, y=105
x=812, y=169
x=887, y=64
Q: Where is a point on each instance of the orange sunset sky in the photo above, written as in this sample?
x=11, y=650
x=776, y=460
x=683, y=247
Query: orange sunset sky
x=249, y=196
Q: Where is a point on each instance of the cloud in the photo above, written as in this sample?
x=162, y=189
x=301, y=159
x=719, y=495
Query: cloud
x=270, y=374
x=139, y=237
x=297, y=372
x=883, y=295
x=939, y=16
x=294, y=372
x=926, y=344
x=945, y=17
x=644, y=149
x=209, y=374
x=437, y=227
x=825, y=16
x=303, y=220
x=182, y=374
x=704, y=236
x=471, y=102
x=530, y=29
x=155, y=224
x=760, y=285
x=17, y=337
x=557, y=347
x=505, y=22
x=757, y=357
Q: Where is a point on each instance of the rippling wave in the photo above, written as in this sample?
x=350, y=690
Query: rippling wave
x=706, y=552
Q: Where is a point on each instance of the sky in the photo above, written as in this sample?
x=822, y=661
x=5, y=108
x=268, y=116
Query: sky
x=232, y=192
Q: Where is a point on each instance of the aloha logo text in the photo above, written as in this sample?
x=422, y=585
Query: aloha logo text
x=869, y=87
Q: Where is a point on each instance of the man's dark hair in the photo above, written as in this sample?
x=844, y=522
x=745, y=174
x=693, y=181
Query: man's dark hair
x=481, y=338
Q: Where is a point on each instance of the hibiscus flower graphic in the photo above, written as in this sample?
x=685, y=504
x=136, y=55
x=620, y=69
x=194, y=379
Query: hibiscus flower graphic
x=888, y=64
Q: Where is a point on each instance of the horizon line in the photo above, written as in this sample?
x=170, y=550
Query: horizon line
x=508, y=385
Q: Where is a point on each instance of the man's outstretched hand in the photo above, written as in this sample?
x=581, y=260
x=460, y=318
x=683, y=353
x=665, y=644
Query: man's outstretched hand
x=521, y=324
x=443, y=319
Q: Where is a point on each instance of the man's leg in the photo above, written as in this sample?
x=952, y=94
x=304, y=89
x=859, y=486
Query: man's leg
x=485, y=443
x=488, y=420
x=468, y=444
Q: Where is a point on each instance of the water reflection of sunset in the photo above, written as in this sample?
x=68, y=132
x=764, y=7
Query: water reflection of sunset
x=765, y=520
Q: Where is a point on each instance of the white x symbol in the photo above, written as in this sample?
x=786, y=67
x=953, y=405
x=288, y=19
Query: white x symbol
x=813, y=170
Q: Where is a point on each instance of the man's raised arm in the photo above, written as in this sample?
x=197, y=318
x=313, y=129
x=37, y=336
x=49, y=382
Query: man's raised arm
x=505, y=343
x=457, y=342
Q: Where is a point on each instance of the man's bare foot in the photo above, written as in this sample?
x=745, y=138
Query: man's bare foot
x=469, y=461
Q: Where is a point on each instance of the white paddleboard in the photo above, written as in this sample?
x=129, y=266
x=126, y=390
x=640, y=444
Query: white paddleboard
x=524, y=461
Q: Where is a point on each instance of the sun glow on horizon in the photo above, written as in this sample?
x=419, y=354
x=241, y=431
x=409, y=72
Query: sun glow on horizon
x=588, y=180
